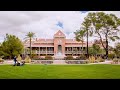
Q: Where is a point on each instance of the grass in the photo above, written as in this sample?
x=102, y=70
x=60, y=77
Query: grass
x=98, y=71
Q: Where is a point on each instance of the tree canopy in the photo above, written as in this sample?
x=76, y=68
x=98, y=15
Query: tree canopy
x=104, y=26
x=11, y=46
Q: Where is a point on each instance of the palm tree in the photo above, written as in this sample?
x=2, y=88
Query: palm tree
x=89, y=32
x=79, y=36
x=30, y=35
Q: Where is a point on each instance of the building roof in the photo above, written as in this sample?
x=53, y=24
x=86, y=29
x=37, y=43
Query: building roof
x=72, y=41
x=59, y=34
x=44, y=41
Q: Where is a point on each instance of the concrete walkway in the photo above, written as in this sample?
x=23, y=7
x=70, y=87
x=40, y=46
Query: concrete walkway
x=58, y=62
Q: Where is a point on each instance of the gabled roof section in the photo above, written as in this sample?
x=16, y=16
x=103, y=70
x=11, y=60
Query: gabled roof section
x=59, y=34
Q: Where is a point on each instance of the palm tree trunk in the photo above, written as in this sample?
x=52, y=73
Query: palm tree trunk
x=30, y=48
x=87, y=44
x=82, y=46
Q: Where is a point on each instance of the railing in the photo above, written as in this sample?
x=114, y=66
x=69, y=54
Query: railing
x=50, y=51
x=66, y=52
x=44, y=52
x=74, y=52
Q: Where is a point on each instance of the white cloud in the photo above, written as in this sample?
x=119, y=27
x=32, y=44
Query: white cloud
x=43, y=23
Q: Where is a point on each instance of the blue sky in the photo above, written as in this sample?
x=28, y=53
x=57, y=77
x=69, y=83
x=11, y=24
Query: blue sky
x=60, y=24
x=83, y=11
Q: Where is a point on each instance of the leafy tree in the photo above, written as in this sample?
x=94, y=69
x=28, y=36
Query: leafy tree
x=117, y=50
x=11, y=46
x=30, y=35
x=104, y=26
x=95, y=49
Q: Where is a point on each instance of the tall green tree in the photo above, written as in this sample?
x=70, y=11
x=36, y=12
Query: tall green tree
x=104, y=26
x=86, y=26
x=79, y=36
x=11, y=46
x=30, y=35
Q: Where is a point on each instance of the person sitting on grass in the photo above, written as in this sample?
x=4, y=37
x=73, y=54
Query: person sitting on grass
x=20, y=63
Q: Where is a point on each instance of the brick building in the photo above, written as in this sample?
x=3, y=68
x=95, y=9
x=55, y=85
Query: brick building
x=59, y=46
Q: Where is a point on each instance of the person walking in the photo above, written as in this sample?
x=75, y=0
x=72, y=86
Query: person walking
x=15, y=60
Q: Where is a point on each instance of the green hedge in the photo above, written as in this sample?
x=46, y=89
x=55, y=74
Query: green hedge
x=1, y=60
x=111, y=56
x=81, y=57
x=48, y=57
x=69, y=57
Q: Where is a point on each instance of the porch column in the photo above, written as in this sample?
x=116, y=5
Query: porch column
x=46, y=50
x=39, y=51
x=72, y=51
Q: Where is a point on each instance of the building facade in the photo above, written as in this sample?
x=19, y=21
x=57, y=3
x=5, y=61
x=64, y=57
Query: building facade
x=59, y=46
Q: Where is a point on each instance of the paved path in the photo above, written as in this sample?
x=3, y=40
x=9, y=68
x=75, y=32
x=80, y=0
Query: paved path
x=6, y=62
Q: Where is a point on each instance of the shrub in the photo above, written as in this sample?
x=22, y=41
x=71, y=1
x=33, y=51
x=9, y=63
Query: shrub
x=111, y=56
x=100, y=59
x=92, y=59
x=46, y=62
x=81, y=57
x=1, y=60
x=48, y=57
x=69, y=57
x=76, y=62
x=27, y=59
x=42, y=59
x=115, y=61
x=36, y=58
x=19, y=58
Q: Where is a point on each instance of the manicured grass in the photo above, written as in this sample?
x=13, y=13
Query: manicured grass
x=97, y=71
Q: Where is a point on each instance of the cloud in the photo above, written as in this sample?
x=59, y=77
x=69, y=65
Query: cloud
x=43, y=23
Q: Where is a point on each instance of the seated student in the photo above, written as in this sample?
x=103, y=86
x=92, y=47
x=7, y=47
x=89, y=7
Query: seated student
x=20, y=64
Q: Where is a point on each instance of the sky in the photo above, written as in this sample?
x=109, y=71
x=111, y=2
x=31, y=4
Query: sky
x=43, y=23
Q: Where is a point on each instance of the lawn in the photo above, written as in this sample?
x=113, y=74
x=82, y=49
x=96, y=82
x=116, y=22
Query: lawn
x=97, y=71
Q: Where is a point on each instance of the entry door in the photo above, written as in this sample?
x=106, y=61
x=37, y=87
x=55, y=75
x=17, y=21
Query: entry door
x=60, y=48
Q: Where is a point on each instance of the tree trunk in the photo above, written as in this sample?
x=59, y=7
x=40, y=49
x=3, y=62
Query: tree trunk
x=82, y=46
x=10, y=57
x=30, y=48
x=87, y=44
x=106, y=49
